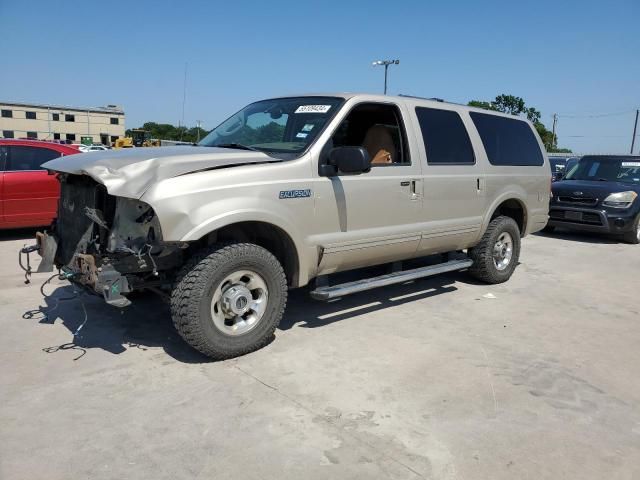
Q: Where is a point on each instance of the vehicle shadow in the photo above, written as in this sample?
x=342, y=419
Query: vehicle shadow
x=302, y=311
x=582, y=237
x=146, y=323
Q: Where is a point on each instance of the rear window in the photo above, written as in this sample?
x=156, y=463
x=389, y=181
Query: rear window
x=507, y=141
x=28, y=158
x=446, y=140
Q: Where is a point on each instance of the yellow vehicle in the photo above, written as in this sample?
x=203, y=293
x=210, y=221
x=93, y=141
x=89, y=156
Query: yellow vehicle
x=139, y=138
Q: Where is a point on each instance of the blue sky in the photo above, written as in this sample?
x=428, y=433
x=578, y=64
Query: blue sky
x=578, y=58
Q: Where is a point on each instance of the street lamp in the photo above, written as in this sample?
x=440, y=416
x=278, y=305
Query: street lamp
x=386, y=64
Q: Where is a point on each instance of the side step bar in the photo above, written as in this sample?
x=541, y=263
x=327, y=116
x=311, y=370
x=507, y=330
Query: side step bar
x=343, y=289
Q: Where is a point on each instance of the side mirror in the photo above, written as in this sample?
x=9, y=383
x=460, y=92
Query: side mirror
x=354, y=160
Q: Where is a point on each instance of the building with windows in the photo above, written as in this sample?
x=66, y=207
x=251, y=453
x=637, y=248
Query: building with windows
x=61, y=123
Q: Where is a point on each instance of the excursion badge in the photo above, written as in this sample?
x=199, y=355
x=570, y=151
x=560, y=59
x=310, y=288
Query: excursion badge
x=294, y=193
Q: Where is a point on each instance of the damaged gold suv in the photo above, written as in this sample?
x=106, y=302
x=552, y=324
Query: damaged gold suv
x=295, y=189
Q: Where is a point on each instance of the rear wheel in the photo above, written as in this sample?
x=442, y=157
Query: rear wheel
x=229, y=299
x=496, y=255
x=634, y=235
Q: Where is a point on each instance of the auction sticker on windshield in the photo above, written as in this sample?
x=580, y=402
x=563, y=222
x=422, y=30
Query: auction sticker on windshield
x=313, y=109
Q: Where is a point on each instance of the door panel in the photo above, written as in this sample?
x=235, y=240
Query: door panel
x=373, y=217
x=3, y=154
x=370, y=218
x=30, y=194
x=453, y=208
x=31, y=198
x=454, y=179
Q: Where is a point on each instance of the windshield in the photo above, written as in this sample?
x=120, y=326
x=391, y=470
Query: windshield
x=282, y=127
x=610, y=169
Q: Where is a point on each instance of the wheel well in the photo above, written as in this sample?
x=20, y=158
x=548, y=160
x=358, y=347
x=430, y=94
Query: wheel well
x=514, y=209
x=268, y=236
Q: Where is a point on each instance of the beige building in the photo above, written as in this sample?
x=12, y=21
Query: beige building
x=56, y=122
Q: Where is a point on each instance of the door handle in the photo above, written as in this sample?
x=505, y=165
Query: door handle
x=413, y=191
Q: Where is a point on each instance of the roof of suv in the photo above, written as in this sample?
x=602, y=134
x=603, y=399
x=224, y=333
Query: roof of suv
x=433, y=102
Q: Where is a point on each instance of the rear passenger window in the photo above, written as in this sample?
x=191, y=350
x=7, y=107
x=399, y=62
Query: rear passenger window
x=28, y=158
x=507, y=141
x=445, y=137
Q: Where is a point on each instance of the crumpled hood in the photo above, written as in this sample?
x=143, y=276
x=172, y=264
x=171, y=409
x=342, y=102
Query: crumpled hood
x=130, y=172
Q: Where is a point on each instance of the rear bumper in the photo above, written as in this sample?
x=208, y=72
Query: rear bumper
x=592, y=220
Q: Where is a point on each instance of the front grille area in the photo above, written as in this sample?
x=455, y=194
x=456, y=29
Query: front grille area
x=74, y=228
x=573, y=216
x=588, y=202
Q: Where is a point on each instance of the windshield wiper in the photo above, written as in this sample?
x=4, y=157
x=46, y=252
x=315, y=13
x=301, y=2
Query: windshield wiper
x=238, y=146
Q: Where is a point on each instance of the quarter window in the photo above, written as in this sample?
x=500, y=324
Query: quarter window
x=507, y=141
x=445, y=137
x=7, y=114
x=30, y=115
x=29, y=158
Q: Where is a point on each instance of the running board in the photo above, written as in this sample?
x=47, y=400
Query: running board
x=343, y=289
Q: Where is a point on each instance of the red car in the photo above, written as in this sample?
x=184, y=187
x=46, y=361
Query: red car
x=28, y=194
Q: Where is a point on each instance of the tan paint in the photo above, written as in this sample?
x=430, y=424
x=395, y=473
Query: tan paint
x=355, y=220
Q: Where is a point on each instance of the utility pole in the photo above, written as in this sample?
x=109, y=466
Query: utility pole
x=635, y=129
x=553, y=137
x=184, y=99
x=198, y=122
x=386, y=64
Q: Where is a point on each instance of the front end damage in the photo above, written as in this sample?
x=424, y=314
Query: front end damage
x=109, y=245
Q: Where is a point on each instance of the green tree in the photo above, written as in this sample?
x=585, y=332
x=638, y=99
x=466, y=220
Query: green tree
x=166, y=131
x=517, y=106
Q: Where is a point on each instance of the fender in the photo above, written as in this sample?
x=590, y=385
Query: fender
x=515, y=192
x=188, y=222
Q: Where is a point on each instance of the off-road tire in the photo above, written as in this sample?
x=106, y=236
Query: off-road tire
x=483, y=267
x=632, y=236
x=194, y=288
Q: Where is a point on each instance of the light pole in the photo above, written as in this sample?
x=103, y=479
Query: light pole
x=386, y=64
x=198, y=122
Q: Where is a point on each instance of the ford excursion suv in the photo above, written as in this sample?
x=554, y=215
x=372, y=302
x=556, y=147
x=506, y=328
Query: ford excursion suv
x=292, y=190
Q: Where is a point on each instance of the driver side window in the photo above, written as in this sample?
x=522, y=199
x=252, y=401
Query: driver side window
x=378, y=129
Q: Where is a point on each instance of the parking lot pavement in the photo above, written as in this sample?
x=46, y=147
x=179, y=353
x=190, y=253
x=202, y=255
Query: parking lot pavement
x=425, y=380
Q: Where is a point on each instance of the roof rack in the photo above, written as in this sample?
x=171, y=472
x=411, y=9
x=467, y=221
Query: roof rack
x=435, y=99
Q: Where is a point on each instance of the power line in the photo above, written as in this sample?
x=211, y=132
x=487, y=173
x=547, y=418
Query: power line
x=595, y=115
x=597, y=136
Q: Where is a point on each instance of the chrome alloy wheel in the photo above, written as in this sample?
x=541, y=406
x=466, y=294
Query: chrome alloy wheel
x=239, y=302
x=503, y=251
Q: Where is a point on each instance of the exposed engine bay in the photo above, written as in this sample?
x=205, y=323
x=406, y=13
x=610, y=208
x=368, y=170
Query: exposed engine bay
x=110, y=245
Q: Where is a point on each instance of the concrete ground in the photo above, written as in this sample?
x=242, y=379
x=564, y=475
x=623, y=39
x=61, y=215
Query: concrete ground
x=424, y=380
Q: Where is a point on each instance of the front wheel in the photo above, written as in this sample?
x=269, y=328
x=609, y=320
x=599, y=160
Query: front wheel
x=496, y=255
x=229, y=299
